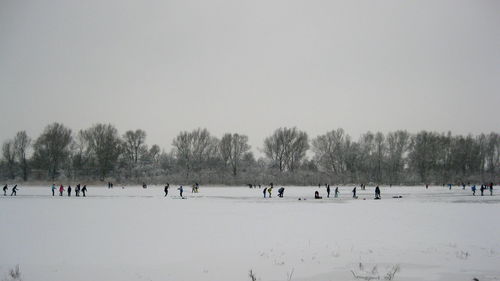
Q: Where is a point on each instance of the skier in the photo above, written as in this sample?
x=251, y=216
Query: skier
x=180, y=190
x=281, y=191
x=69, y=190
x=354, y=193
x=336, y=192
x=84, y=189
x=61, y=190
x=14, y=190
x=328, y=191
x=5, y=190
x=53, y=189
x=473, y=190
x=166, y=189
x=265, y=190
x=377, y=192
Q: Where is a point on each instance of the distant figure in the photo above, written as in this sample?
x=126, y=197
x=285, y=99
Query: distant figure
x=84, y=189
x=166, y=189
x=377, y=192
x=61, y=190
x=426, y=186
x=77, y=190
x=491, y=189
x=450, y=185
x=473, y=190
x=5, y=190
x=14, y=190
x=354, y=193
x=69, y=190
x=281, y=191
x=482, y=189
x=53, y=188
x=144, y=185
x=316, y=195
x=328, y=191
x=463, y=186
x=336, y=192
x=270, y=190
x=181, y=190
x=319, y=185
x=264, y=191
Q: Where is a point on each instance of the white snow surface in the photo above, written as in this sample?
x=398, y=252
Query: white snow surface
x=220, y=233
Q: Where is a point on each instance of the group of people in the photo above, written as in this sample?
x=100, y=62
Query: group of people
x=13, y=191
x=195, y=189
x=482, y=189
x=78, y=190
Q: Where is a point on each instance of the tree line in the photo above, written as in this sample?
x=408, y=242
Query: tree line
x=101, y=153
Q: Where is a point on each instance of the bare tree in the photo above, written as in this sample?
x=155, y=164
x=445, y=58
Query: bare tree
x=133, y=141
x=232, y=148
x=397, y=146
x=9, y=156
x=329, y=151
x=286, y=148
x=51, y=148
x=104, y=143
x=193, y=149
x=22, y=143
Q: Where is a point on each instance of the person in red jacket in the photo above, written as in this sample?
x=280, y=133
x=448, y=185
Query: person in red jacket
x=61, y=190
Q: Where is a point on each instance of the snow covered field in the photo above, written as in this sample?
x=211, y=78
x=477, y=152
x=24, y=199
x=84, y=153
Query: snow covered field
x=221, y=233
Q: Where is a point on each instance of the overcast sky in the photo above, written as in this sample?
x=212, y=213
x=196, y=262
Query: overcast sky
x=250, y=66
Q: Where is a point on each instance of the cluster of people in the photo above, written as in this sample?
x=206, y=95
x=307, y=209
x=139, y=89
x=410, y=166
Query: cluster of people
x=269, y=191
x=13, y=191
x=483, y=188
x=195, y=188
x=78, y=190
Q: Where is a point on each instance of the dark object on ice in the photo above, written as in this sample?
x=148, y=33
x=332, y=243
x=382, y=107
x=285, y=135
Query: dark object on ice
x=316, y=195
x=144, y=185
x=5, y=190
x=69, y=190
x=14, y=190
x=77, y=190
x=180, y=190
x=354, y=193
x=264, y=191
x=328, y=191
x=281, y=191
x=377, y=193
x=84, y=189
x=397, y=196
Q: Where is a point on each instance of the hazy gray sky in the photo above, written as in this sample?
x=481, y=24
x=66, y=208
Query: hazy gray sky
x=250, y=66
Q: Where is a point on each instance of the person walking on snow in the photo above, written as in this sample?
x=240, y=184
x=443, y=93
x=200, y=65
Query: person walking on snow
x=491, y=189
x=354, y=193
x=473, y=190
x=180, y=190
x=53, y=189
x=14, y=190
x=377, y=192
x=336, y=192
x=264, y=191
x=84, y=189
x=69, y=190
x=5, y=190
x=77, y=190
x=166, y=190
x=61, y=190
x=328, y=191
x=270, y=190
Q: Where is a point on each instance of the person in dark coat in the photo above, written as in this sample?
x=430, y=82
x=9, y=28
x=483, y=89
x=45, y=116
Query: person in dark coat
x=336, y=192
x=316, y=195
x=181, y=190
x=5, y=190
x=328, y=191
x=281, y=191
x=166, y=189
x=14, y=190
x=264, y=191
x=377, y=192
x=354, y=193
x=84, y=189
x=69, y=190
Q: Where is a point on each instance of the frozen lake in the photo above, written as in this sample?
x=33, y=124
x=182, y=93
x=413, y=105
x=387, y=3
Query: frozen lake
x=221, y=233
